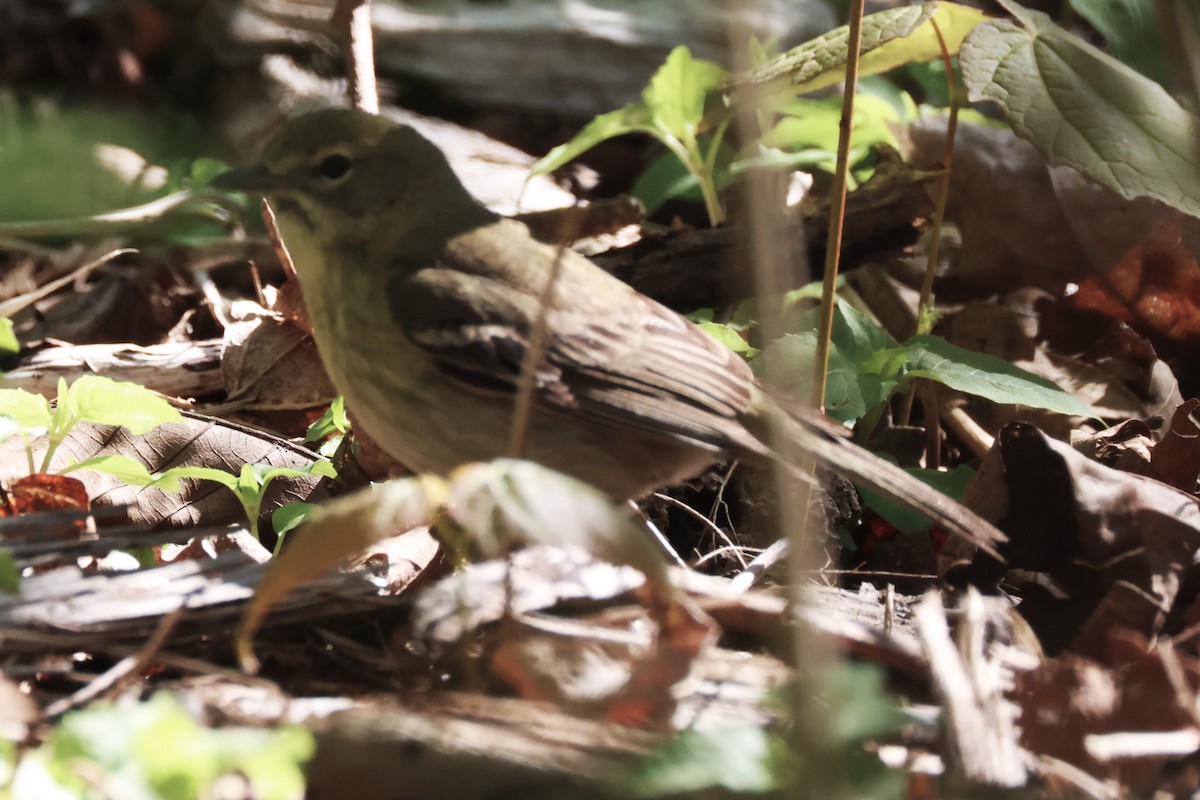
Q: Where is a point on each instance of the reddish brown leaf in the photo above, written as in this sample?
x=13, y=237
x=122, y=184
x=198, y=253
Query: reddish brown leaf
x=42, y=492
x=1154, y=288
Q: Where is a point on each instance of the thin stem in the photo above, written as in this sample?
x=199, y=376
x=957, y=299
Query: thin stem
x=925, y=304
x=837, y=209
x=924, y=313
x=28, y=452
x=53, y=441
x=527, y=383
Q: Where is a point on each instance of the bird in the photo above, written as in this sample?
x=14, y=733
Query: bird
x=423, y=305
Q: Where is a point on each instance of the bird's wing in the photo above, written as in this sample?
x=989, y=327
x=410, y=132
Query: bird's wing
x=610, y=353
x=613, y=354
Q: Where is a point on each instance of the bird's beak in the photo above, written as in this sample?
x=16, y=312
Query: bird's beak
x=254, y=179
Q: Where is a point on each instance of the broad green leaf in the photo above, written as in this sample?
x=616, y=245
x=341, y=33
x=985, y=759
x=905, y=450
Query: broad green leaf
x=728, y=337
x=1131, y=29
x=675, y=95
x=904, y=518
x=857, y=335
x=814, y=123
x=849, y=391
x=30, y=411
x=1084, y=109
x=500, y=502
x=633, y=118
x=287, y=518
x=889, y=39
x=63, y=417
x=108, y=402
x=8, y=339
x=987, y=376
x=758, y=156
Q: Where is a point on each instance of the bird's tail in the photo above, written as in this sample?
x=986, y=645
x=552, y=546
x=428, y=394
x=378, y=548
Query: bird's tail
x=800, y=435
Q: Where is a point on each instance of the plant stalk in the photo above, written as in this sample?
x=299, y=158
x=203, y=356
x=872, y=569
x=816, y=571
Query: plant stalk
x=837, y=209
x=925, y=304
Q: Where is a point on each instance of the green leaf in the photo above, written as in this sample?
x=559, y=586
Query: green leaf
x=889, y=39
x=107, y=402
x=633, y=118
x=814, y=123
x=10, y=576
x=728, y=337
x=202, y=170
x=667, y=178
x=676, y=94
x=1082, y=108
x=987, y=376
x=287, y=518
x=672, y=107
x=849, y=391
x=203, y=474
x=864, y=708
x=333, y=421
x=259, y=475
x=1131, y=29
x=156, y=750
x=743, y=759
x=127, y=469
x=858, y=335
x=8, y=339
x=30, y=411
x=952, y=484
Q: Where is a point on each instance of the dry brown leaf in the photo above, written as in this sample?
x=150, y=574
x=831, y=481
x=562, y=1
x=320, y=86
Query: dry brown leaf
x=1077, y=527
x=270, y=364
x=1082, y=711
x=334, y=532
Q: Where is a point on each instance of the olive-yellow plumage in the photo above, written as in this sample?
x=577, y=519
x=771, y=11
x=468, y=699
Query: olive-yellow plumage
x=422, y=303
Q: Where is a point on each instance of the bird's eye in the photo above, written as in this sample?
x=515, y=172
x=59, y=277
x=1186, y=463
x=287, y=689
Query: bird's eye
x=334, y=166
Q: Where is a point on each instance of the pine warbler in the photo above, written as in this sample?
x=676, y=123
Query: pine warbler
x=423, y=303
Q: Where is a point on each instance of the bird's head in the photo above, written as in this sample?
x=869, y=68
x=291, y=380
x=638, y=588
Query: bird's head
x=340, y=171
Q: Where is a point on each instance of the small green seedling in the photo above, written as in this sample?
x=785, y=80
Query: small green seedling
x=92, y=398
x=689, y=104
x=673, y=111
x=330, y=429
x=250, y=485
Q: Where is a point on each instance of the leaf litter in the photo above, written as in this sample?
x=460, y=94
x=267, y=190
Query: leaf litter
x=1092, y=668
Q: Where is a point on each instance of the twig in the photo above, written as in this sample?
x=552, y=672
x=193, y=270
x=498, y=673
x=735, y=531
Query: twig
x=352, y=18
x=122, y=670
x=837, y=209
x=703, y=520
x=527, y=383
